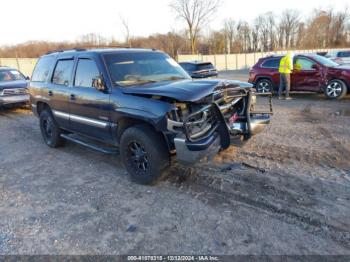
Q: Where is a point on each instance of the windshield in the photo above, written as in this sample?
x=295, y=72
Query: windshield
x=134, y=68
x=325, y=61
x=10, y=75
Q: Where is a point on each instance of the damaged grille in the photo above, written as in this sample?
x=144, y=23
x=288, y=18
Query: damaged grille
x=201, y=124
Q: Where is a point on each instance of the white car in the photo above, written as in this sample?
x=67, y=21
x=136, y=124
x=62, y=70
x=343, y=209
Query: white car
x=340, y=57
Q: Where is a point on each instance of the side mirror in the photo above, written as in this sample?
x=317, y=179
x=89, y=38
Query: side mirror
x=314, y=66
x=27, y=78
x=99, y=84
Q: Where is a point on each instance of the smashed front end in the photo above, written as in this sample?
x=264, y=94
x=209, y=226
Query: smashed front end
x=205, y=127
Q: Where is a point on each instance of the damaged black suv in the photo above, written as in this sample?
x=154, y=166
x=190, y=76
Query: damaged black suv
x=139, y=103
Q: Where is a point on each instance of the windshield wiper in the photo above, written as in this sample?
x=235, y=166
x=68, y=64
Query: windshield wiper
x=173, y=78
x=138, y=82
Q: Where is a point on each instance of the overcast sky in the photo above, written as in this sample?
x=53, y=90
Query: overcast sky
x=59, y=20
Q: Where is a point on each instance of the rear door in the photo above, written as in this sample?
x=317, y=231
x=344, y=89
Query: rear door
x=305, y=76
x=89, y=107
x=58, y=90
x=269, y=68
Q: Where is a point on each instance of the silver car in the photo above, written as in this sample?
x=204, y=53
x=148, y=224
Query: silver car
x=340, y=57
x=13, y=86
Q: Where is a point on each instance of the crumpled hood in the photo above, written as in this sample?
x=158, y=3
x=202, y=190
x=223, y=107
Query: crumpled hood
x=13, y=84
x=184, y=90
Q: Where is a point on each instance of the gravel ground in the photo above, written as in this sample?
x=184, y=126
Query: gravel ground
x=286, y=191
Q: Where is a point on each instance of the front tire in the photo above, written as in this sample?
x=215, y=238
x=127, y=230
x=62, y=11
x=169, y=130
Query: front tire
x=336, y=89
x=144, y=154
x=264, y=86
x=50, y=130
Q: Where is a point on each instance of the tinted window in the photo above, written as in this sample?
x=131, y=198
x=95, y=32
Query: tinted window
x=272, y=63
x=42, y=69
x=86, y=73
x=10, y=75
x=63, y=72
x=344, y=54
x=303, y=64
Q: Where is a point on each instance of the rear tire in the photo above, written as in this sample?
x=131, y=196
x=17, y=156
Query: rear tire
x=50, y=129
x=264, y=86
x=336, y=89
x=144, y=154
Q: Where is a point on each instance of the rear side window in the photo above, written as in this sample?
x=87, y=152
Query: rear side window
x=271, y=63
x=344, y=54
x=87, y=72
x=63, y=72
x=42, y=69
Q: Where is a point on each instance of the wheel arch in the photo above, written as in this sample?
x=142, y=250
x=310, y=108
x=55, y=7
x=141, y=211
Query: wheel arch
x=41, y=106
x=127, y=121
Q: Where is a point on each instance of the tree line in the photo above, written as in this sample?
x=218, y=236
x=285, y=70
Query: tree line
x=267, y=32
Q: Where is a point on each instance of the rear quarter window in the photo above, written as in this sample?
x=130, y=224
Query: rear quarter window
x=42, y=69
x=271, y=63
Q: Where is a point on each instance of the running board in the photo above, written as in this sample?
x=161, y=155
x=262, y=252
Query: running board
x=85, y=142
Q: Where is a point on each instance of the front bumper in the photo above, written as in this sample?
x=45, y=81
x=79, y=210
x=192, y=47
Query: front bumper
x=6, y=100
x=189, y=151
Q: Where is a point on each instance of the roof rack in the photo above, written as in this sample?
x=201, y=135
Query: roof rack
x=65, y=50
x=105, y=46
x=85, y=48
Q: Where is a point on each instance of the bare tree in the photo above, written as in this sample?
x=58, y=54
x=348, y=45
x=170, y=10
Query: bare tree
x=301, y=35
x=230, y=32
x=244, y=36
x=125, y=24
x=195, y=13
x=289, y=24
x=338, y=33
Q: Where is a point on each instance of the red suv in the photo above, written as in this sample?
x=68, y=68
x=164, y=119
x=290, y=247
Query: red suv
x=312, y=73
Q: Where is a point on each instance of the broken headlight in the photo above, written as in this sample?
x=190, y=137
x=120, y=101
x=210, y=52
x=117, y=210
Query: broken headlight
x=196, y=125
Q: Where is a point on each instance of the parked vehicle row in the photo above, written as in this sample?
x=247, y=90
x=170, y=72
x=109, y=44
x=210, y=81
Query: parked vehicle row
x=312, y=73
x=142, y=104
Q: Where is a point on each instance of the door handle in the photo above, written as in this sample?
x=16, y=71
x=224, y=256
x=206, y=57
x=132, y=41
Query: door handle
x=72, y=97
x=50, y=93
